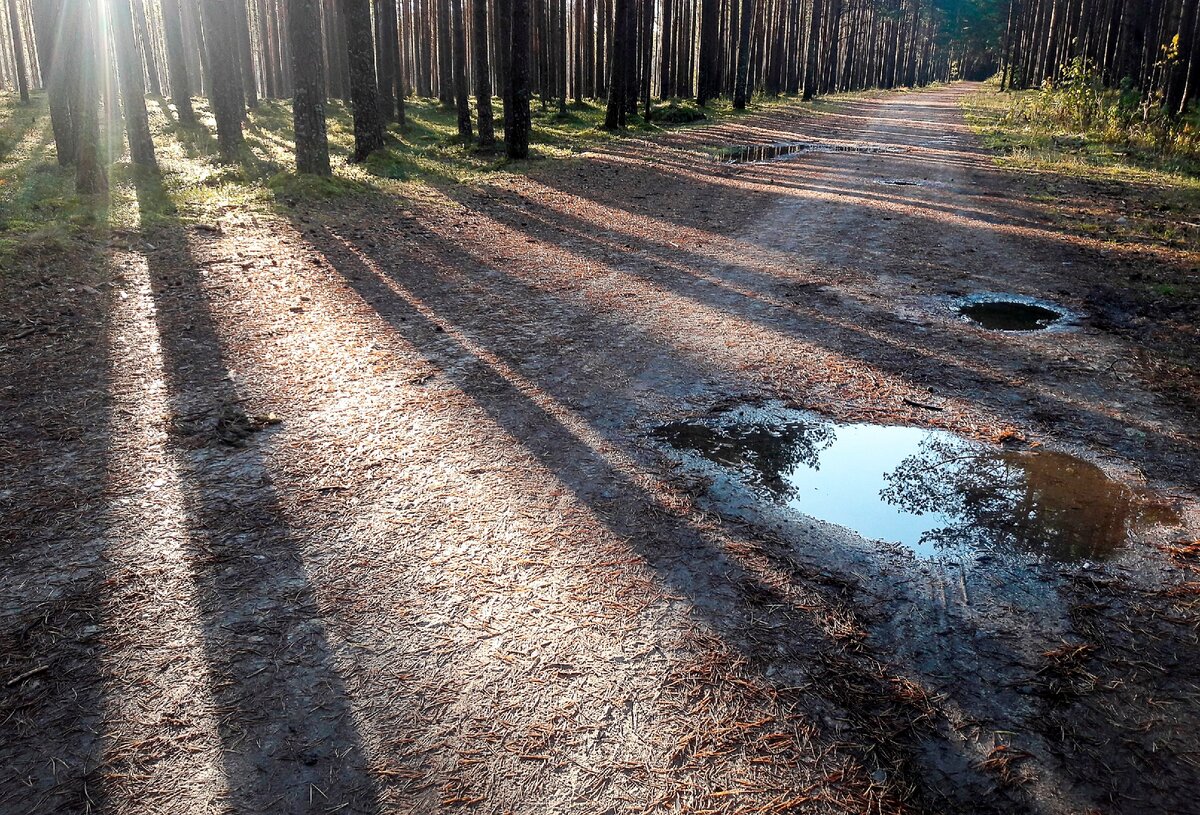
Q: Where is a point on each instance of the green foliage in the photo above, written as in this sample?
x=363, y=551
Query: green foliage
x=1079, y=101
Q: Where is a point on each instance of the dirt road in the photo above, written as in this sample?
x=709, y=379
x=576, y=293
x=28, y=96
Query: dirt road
x=357, y=510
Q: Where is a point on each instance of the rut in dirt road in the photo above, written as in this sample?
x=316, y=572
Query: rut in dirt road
x=444, y=563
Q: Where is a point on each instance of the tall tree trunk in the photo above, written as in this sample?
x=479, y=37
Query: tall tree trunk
x=517, y=120
x=811, y=65
x=181, y=89
x=147, y=44
x=308, y=79
x=445, y=54
x=225, y=81
x=241, y=23
x=133, y=91
x=615, y=115
x=49, y=23
x=385, y=56
x=743, y=60
x=709, y=34
x=462, y=94
x=368, y=123
x=81, y=49
x=483, y=76
x=18, y=45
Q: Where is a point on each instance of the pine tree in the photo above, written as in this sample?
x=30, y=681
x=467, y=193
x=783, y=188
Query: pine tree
x=81, y=29
x=462, y=100
x=225, y=94
x=308, y=80
x=14, y=26
x=177, y=68
x=483, y=73
x=133, y=91
x=360, y=48
x=517, y=119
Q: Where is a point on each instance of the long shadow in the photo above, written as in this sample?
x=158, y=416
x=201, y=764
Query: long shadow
x=286, y=723
x=55, y=415
x=911, y=357
x=746, y=611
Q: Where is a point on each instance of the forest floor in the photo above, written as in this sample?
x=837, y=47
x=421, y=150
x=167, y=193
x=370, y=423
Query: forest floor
x=351, y=505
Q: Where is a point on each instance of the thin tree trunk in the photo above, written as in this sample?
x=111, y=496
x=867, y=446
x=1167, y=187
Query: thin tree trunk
x=483, y=77
x=462, y=94
x=743, y=60
x=181, y=89
x=14, y=24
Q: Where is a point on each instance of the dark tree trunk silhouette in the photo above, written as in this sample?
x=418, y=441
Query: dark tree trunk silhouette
x=517, y=120
x=308, y=80
x=709, y=33
x=462, y=94
x=615, y=114
x=241, y=22
x=360, y=47
x=133, y=91
x=743, y=55
x=483, y=75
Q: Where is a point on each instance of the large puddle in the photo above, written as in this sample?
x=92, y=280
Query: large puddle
x=929, y=490
x=751, y=153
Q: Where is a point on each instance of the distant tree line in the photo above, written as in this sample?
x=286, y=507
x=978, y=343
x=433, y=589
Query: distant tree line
x=376, y=54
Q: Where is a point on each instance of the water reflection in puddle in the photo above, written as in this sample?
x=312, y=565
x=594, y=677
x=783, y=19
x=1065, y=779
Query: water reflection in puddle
x=750, y=153
x=929, y=490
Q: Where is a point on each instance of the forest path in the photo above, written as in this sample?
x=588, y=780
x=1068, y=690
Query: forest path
x=356, y=509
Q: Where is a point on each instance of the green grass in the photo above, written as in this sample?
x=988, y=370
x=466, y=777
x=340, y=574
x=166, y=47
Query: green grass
x=1153, y=195
x=41, y=213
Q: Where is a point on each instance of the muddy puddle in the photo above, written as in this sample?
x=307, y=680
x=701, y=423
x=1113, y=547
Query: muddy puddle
x=929, y=490
x=752, y=153
x=998, y=312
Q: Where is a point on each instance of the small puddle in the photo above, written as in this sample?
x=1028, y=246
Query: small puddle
x=930, y=490
x=997, y=312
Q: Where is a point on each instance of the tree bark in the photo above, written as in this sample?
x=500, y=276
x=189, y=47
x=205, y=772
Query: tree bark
x=83, y=72
x=517, y=120
x=133, y=90
x=483, y=80
x=462, y=94
x=225, y=94
x=177, y=70
x=14, y=25
x=48, y=21
x=308, y=79
x=743, y=59
x=368, y=123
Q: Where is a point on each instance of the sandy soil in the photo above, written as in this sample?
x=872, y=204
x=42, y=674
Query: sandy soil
x=355, y=509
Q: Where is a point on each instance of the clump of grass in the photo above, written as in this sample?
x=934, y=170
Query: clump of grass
x=290, y=186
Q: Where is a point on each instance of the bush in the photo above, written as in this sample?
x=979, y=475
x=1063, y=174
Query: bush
x=1079, y=101
x=677, y=113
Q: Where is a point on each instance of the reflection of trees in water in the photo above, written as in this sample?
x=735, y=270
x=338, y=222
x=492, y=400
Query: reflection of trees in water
x=1042, y=503
x=763, y=453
